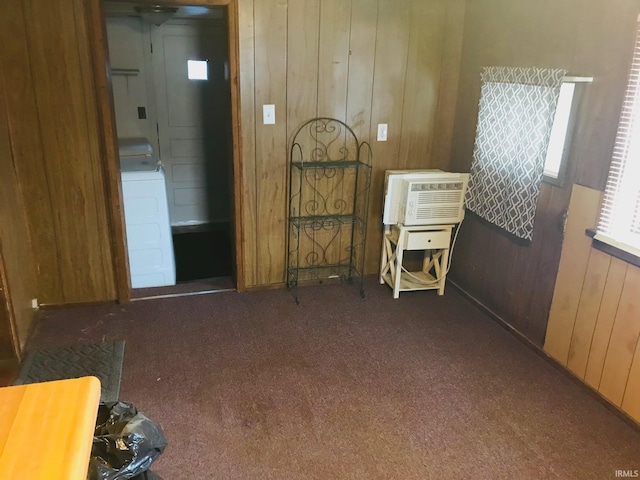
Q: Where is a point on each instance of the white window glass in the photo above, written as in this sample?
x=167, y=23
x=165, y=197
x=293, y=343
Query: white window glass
x=197, y=69
x=555, y=151
x=619, y=223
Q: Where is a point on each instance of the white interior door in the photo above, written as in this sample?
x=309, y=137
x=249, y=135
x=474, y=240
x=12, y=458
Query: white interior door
x=193, y=119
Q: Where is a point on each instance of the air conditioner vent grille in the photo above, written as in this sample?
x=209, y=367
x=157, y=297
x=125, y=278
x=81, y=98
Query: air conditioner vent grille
x=427, y=212
x=439, y=197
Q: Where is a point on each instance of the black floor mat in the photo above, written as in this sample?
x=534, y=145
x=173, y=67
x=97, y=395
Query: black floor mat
x=201, y=255
x=102, y=360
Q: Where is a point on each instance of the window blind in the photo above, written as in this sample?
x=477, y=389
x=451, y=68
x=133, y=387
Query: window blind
x=619, y=223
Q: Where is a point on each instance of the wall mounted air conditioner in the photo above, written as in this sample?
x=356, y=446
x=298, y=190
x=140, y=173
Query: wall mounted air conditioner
x=424, y=197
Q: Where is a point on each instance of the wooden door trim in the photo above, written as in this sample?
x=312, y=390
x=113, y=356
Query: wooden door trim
x=109, y=148
x=6, y=310
x=109, y=143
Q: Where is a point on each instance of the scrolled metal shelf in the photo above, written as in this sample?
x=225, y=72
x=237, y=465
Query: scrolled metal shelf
x=325, y=220
x=329, y=164
x=330, y=178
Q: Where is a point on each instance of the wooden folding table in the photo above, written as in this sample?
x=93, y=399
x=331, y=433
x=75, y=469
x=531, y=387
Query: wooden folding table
x=46, y=429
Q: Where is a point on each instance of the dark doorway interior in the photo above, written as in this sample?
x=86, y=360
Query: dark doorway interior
x=202, y=251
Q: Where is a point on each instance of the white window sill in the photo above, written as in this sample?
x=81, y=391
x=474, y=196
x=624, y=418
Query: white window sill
x=612, y=249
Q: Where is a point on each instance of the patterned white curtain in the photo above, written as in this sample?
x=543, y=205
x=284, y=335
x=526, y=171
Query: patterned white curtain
x=515, y=117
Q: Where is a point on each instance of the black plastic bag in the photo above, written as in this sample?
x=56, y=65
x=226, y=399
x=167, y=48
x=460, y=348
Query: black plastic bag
x=125, y=443
x=148, y=475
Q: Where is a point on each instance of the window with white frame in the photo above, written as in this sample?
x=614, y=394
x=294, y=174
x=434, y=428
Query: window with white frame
x=619, y=223
x=197, y=70
x=557, y=151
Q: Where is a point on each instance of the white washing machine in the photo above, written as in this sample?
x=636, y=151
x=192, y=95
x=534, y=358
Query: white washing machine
x=146, y=212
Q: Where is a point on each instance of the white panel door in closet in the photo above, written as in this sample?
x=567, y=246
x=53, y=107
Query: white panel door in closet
x=190, y=81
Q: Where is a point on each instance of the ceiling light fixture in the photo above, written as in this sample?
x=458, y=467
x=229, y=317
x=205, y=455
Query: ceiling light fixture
x=156, y=14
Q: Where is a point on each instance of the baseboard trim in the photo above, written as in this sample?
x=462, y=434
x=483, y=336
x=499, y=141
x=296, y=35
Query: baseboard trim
x=541, y=353
x=494, y=316
x=57, y=306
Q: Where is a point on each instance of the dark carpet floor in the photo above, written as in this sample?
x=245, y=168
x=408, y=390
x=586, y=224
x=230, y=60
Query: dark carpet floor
x=251, y=386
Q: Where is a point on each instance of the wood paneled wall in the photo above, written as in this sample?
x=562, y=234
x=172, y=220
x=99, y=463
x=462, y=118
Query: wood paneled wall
x=17, y=279
x=592, y=38
x=362, y=61
x=56, y=143
x=594, y=324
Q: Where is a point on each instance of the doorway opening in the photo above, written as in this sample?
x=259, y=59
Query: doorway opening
x=171, y=88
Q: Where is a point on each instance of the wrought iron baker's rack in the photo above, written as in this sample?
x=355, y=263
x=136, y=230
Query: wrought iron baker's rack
x=329, y=183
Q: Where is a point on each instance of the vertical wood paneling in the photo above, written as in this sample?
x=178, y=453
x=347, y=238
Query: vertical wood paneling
x=303, y=31
x=67, y=121
x=582, y=214
x=631, y=400
x=546, y=34
x=590, y=300
x=362, y=43
x=271, y=140
x=235, y=177
x=302, y=63
x=606, y=33
x=422, y=82
x=7, y=327
x=555, y=40
x=392, y=46
x=535, y=295
x=333, y=58
x=623, y=341
x=604, y=333
x=333, y=72
x=28, y=149
x=17, y=272
x=448, y=85
x=606, y=316
x=344, y=49
x=100, y=260
x=109, y=150
x=45, y=45
x=345, y=59
x=55, y=135
x=297, y=54
x=246, y=59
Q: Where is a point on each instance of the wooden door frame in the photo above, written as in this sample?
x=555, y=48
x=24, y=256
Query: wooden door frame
x=109, y=143
x=7, y=316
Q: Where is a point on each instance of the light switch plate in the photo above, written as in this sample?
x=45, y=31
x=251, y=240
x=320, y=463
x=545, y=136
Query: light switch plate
x=268, y=114
x=382, y=132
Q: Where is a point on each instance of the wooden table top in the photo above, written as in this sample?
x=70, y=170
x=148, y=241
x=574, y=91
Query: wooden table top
x=46, y=429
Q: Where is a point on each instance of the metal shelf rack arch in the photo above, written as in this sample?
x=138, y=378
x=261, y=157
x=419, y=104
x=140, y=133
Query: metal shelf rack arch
x=329, y=183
